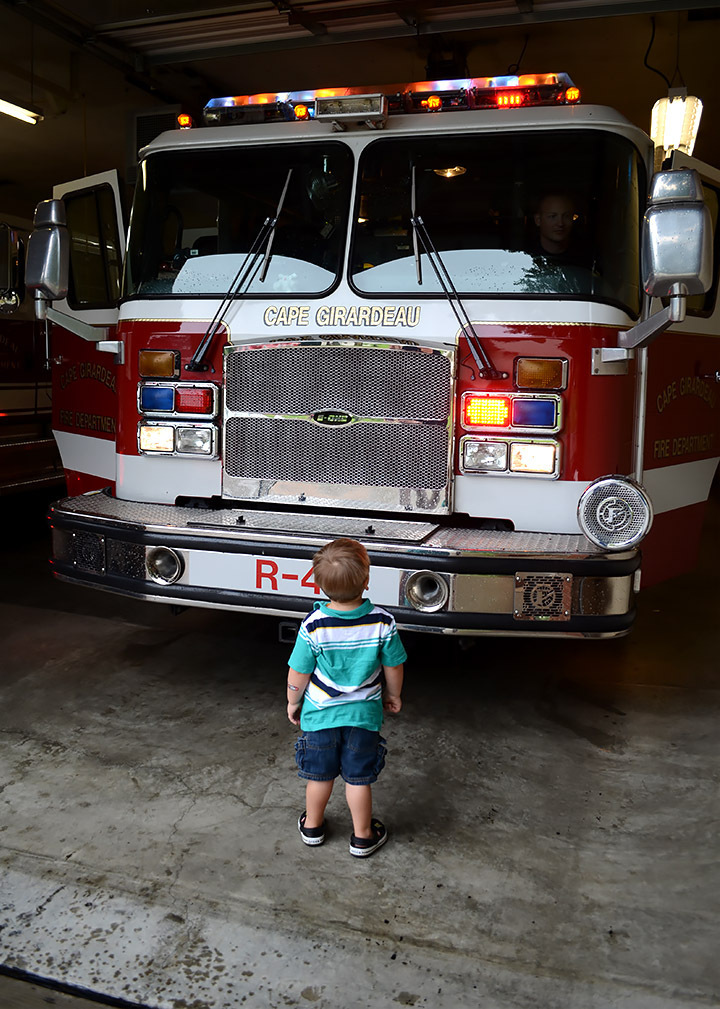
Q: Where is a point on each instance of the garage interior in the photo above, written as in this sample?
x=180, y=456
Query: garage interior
x=553, y=805
x=108, y=76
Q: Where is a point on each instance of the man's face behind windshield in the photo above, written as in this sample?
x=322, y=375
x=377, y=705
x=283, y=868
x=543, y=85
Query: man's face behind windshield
x=555, y=218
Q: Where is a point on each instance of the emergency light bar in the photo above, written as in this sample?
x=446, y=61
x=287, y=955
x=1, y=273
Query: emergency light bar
x=370, y=105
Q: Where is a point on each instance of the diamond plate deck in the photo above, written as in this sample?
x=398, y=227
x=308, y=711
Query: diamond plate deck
x=247, y=523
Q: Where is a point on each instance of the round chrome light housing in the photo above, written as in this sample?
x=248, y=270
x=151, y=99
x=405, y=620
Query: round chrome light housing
x=427, y=591
x=164, y=565
x=614, y=512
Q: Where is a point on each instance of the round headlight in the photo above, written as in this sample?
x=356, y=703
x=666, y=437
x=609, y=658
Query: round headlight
x=615, y=513
x=427, y=591
x=164, y=565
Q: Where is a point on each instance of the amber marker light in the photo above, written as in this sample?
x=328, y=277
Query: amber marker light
x=185, y=121
x=540, y=373
x=434, y=103
x=486, y=411
x=572, y=95
x=157, y=363
x=301, y=112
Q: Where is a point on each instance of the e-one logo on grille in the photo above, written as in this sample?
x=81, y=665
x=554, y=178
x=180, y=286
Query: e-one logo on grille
x=332, y=418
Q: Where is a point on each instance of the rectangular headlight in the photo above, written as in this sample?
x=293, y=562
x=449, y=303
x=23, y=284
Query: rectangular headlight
x=195, y=440
x=156, y=438
x=484, y=455
x=533, y=457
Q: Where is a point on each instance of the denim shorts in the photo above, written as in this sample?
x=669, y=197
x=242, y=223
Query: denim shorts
x=356, y=754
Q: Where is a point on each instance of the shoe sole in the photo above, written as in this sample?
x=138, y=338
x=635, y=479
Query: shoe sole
x=364, y=852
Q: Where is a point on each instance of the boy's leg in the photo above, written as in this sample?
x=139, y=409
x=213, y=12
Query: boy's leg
x=317, y=794
x=359, y=800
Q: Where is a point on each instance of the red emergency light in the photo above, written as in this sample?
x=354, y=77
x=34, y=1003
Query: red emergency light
x=192, y=399
x=510, y=99
x=486, y=411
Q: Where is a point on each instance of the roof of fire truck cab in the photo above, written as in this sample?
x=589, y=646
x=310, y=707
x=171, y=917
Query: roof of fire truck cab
x=597, y=117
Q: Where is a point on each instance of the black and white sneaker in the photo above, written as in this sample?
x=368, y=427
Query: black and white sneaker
x=310, y=835
x=361, y=847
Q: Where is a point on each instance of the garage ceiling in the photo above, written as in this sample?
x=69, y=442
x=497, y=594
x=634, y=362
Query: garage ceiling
x=141, y=37
x=93, y=67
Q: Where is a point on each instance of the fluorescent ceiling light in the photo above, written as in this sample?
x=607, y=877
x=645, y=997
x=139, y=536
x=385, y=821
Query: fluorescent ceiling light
x=19, y=112
x=675, y=121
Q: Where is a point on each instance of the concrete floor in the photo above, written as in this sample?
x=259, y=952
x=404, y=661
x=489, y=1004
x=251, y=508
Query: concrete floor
x=553, y=809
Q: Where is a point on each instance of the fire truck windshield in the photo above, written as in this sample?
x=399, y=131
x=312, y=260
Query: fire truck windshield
x=197, y=213
x=549, y=214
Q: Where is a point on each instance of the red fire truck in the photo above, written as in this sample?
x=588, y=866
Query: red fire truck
x=29, y=457
x=433, y=317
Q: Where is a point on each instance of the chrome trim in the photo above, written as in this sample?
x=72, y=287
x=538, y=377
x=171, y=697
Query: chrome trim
x=621, y=526
x=179, y=556
x=275, y=450
x=442, y=581
x=114, y=558
x=545, y=595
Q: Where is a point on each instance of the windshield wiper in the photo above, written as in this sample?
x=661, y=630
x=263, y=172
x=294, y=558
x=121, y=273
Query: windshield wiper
x=413, y=213
x=485, y=366
x=261, y=246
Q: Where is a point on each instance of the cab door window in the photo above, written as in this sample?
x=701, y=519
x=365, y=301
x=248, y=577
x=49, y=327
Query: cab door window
x=95, y=254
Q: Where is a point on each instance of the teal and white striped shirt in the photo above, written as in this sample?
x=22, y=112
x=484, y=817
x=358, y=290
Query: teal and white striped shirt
x=343, y=652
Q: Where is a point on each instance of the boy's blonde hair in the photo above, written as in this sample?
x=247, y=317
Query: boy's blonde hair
x=341, y=569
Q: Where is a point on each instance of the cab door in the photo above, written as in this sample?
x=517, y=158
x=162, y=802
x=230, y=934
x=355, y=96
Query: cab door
x=84, y=333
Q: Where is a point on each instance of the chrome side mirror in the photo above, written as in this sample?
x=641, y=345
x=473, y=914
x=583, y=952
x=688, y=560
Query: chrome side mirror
x=676, y=253
x=677, y=236
x=48, y=257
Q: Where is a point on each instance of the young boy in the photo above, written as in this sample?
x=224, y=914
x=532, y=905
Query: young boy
x=336, y=694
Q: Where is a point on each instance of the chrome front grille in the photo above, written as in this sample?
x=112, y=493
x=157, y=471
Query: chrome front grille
x=374, y=455
x=386, y=446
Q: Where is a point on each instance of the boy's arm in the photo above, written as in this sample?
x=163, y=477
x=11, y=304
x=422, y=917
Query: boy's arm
x=393, y=688
x=296, y=683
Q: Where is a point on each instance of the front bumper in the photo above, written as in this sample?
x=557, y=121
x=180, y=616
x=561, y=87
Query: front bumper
x=253, y=560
